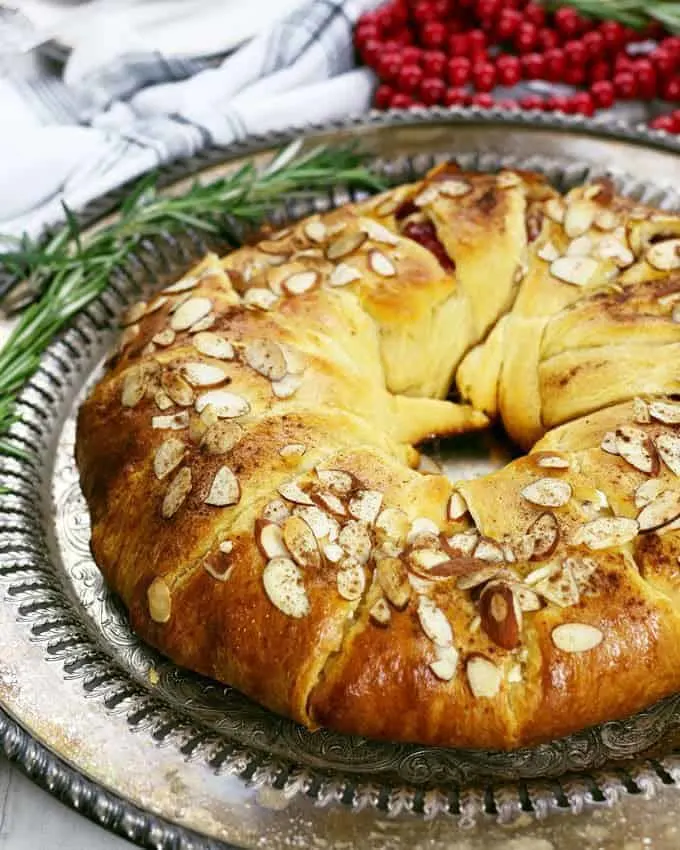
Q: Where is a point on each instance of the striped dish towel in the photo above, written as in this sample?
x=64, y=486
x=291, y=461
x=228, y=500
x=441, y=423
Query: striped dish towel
x=73, y=139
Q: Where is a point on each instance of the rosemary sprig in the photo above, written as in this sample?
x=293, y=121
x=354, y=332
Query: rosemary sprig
x=632, y=13
x=70, y=270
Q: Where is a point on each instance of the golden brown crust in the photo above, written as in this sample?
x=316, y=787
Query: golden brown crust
x=247, y=461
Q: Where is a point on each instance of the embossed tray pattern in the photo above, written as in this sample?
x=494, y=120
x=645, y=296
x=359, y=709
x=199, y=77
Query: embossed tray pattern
x=73, y=673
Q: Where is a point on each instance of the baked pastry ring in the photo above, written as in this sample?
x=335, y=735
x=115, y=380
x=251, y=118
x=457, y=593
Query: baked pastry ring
x=249, y=466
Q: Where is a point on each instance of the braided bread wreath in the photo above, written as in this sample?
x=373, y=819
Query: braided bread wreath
x=249, y=466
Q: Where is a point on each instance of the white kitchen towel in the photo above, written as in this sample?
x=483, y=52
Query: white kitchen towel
x=68, y=140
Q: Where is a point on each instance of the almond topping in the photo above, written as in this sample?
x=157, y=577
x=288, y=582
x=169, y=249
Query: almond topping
x=177, y=388
x=579, y=247
x=559, y=587
x=609, y=443
x=168, y=457
x=203, y=374
x=134, y=387
x=213, y=345
x=463, y=543
x=422, y=527
x=343, y=274
x=576, y=637
x=507, y=180
x=203, y=324
x=664, y=509
x=381, y=264
x=380, y=613
x=457, y=507
x=171, y=422
x=323, y=525
x=527, y=599
x=260, y=298
x=393, y=580
x=501, y=615
x=434, y=623
x=301, y=543
x=476, y=577
x=453, y=188
x=270, y=539
x=378, y=232
x=159, y=601
x=266, y=358
x=287, y=386
x=134, y=314
x=578, y=218
x=578, y=271
x=551, y=461
x=542, y=536
x=548, y=252
x=641, y=412
x=276, y=511
x=541, y=573
x=274, y=249
x=611, y=248
x=606, y=220
x=301, y=282
x=190, y=312
x=548, y=492
x=335, y=479
x=664, y=256
x=330, y=502
x=554, y=209
x=221, y=437
x=427, y=559
x=489, y=551
x=668, y=446
x=388, y=205
x=606, y=532
x=393, y=524
x=344, y=245
x=446, y=662
x=666, y=412
x=483, y=677
x=224, y=490
x=647, y=492
x=183, y=285
x=283, y=584
x=351, y=582
x=179, y=489
x=292, y=452
x=637, y=449
x=427, y=196
x=165, y=337
x=365, y=505
x=292, y=492
x=356, y=540
x=315, y=230
x=162, y=400
x=227, y=405
x=333, y=552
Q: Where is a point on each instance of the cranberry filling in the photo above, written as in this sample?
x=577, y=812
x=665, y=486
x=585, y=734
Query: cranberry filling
x=424, y=233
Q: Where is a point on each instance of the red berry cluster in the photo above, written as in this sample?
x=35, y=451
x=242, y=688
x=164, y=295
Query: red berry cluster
x=455, y=52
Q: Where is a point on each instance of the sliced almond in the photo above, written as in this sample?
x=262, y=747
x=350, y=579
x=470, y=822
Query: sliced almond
x=266, y=357
x=203, y=324
x=343, y=274
x=548, y=252
x=378, y=232
x=380, y=613
x=134, y=387
x=168, y=457
x=611, y=248
x=283, y=584
x=156, y=304
x=335, y=480
x=330, y=502
x=365, y=505
x=501, y=615
x=355, y=539
x=227, y=405
x=427, y=196
x=276, y=511
x=159, y=601
x=578, y=271
x=526, y=598
x=576, y=637
x=280, y=234
x=578, y=218
x=224, y=490
x=422, y=527
x=434, y=623
x=213, y=569
x=609, y=443
x=381, y=264
x=270, y=540
x=637, y=449
x=647, y=492
x=606, y=532
x=388, y=205
x=260, y=298
x=427, y=559
x=190, y=312
x=483, y=677
x=333, y=552
x=542, y=573
x=489, y=551
x=274, y=249
x=453, y=188
x=315, y=230
x=507, y=180
x=177, y=388
x=292, y=493
x=162, y=400
x=287, y=386
x=182, y=285
x=542, y=536
x=547, y=460
x=134, y=314
x=559, y=588
x=665, y=411
x=641, y=412
x=292, y=452
x=178, y=490
x=393, y=524
x=446, y=663
x=579, y=247
x=171, y=422
x=428, y=466
x=664, y=256
x=393, y=580
x=301, y=543
x=345, y=245
x=668, y=446
x=200, y=374
x=554, y=209
x=165, y=337
x=663, y=509
x=323, y=525
x=212, y=345
x=475, y=577
x=221, y=437
x=606, y=219
x=351, y=581
x=301, y=282
x=548, y=492
x=581, y=570
x=457, y=507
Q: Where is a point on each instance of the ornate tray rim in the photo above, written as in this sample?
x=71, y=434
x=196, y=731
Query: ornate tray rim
x=39, y=762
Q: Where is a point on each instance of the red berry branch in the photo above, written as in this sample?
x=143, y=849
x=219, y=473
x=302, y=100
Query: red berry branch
x=459, y=52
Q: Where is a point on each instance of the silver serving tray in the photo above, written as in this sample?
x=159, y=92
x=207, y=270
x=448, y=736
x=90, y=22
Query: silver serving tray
x=173, y=760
